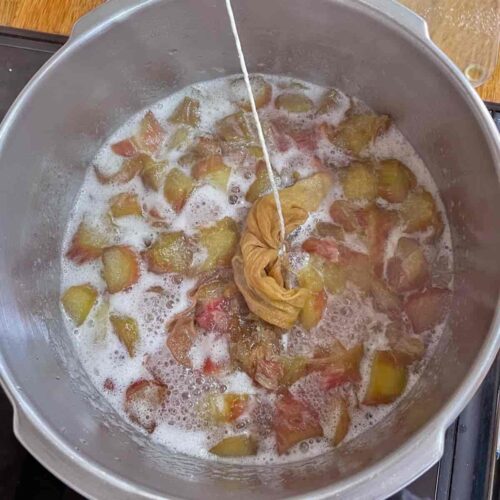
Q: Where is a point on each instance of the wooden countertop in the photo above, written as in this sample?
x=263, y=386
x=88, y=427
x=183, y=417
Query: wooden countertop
x=58, y=16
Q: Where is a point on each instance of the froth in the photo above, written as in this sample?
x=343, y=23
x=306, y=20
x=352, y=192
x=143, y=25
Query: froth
x=205, y=206
x=156, y=299
x=209, y=346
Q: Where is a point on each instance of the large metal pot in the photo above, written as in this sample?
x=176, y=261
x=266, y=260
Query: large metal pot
x=125, y=56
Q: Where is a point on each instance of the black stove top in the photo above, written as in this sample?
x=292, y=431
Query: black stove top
x=469, y=467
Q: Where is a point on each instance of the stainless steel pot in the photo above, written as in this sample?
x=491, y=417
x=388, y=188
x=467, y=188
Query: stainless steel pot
x=125, y=56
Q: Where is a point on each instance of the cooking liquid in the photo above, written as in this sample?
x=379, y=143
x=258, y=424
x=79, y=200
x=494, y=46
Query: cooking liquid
x=349, y=317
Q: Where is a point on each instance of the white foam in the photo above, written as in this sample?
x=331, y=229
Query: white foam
x=206, y=205
x=350, y=318
x=211, y=346
x=239, y=382
x=190, y=442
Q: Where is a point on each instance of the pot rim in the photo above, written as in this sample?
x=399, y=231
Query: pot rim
x=52, y=448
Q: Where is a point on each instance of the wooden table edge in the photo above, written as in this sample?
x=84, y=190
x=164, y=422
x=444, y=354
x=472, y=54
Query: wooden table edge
x=58, y=17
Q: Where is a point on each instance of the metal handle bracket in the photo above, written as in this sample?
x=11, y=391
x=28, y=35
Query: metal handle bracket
x=402, y=15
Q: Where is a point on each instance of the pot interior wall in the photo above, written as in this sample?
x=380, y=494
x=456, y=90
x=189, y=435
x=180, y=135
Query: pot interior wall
x=132, y=63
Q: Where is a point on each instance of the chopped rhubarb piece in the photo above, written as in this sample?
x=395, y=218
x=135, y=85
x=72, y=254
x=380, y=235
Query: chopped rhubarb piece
x=407, y=348
x=220, y=241
x=235, y=128
x=78, y=301
x=120, y=268
x=210, y=368
x=224, y=408
x=306, y=139
x=144, y=400
x=357, y=132
x=293, y=368
x=170, y=253
x=343, y=422
x=395, y=181
x=179, y=139
x=344, y=213
x=358, y=268
x=126, y=148
x=378, y=223
x=87, y=244
x=181, y=336
x=309, y=277
x=329, y=230
x=268, y=373
x=294, y=422
x=427, y=309
x=408, y=269
x=385, y=300
x=315, y=304
x=214, y=170
x=261, y=185
x=419, y=212
x=151, y=134
x=327, y=249
x=261, y=90
x=359, y=182
x=256, y=353
x=214, y=315
x=388, y=378
x=177, y=188
x=128, y=170
x=337, y=421
x=235, y=446
x=293, y=102
x=125, y=204
x=338, y=365
x=334, y=277
x=127, y=330
x=187, y=112
x=328, y=102
x=277, y=134
x=153, y=173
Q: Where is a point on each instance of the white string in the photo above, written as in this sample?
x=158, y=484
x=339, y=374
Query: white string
x=257, y=120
